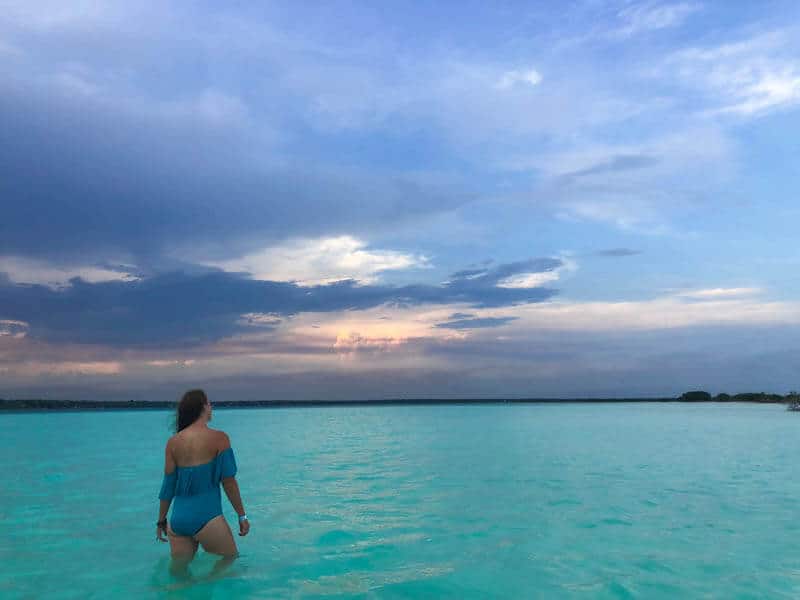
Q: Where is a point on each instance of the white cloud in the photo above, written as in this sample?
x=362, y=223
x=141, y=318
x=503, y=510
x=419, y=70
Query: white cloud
x=69, y=368
x=529, y=280
x=13, y=329
x=747, y=78
x=768, y=89
x=665, y=154
x=509, y=79
x=316, y=261
x=27, y=270
x=263, y=320
x=661, y=313
x=480, y=101
x=48, y=15
x=532, y=280
x=351, y=341
x=636, y=186
x=719, y=293
x=170, y=363
x=650, y=16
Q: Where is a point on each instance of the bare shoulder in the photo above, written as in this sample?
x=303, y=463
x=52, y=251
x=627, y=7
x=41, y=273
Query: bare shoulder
x=222, y=439
x=169, y=455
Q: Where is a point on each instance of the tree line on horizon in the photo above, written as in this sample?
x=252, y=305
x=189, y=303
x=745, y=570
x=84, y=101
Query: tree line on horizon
x=703, y=396
x=792, y=399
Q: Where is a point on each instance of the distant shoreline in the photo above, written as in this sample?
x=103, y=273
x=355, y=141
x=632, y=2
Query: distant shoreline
x=88, y=405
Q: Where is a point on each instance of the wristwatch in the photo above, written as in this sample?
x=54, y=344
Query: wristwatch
x=243, y=518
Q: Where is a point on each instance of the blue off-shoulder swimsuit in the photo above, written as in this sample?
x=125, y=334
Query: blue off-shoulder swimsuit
x=195, y=492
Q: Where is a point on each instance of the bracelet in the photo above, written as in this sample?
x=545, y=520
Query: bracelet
x=162, y=523
x=243, y=518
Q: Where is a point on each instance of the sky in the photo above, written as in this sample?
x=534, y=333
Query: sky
x=348, y=200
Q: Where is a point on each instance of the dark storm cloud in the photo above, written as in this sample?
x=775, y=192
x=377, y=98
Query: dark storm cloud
x=89, y=179
x=202, y=306
x=477, y=323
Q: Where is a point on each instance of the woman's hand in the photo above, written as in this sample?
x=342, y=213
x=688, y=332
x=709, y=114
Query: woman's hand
x=159, y=529
x=244, y=527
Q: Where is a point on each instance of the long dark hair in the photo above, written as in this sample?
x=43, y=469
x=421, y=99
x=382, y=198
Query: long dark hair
x=190, y=408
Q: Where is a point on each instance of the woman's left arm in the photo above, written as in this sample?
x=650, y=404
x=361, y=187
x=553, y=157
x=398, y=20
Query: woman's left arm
x=231, y=488
x=165, y=497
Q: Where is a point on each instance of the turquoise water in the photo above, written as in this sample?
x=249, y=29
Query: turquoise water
x=533, y=501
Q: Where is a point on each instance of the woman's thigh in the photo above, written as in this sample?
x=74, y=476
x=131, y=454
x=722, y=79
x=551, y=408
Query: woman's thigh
x=216, y=537
x=181, y=546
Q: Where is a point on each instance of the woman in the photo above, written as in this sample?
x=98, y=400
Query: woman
x=197, y=459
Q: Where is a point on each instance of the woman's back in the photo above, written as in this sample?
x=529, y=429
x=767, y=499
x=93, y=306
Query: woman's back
x=197, y=445
x=202, y=456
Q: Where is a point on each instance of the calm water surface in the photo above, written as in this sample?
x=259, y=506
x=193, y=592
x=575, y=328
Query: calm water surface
x=481, y=501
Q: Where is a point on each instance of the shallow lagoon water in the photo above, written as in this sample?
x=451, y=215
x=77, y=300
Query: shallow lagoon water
x=464, y=501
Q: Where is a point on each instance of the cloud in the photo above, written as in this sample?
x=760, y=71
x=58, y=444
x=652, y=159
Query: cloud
x=202, y=306
x=669, y=312
x=528, y=274
x=537, y=278
x=554, y=348
x=636, y=186
x=476, y=323
x=347, y=343
x=14, y=329
x=622, y=162
x=461, y=315
x=719, y=293
x=324, y=260
x=25, y=270
x=68, y=368
x=171, y=363
x=748, y=78
x=212, y=165
x=321, y=163
x=478, y=102
x=529, y=280
x=617, y=252
x=651, y=16
x=528, y=77
x=146, y=185
x=774, y=87
x=51, y=15
x=658, y=155
x=524, y=361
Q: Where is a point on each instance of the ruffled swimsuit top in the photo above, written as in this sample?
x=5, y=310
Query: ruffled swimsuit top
x=195, y=492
